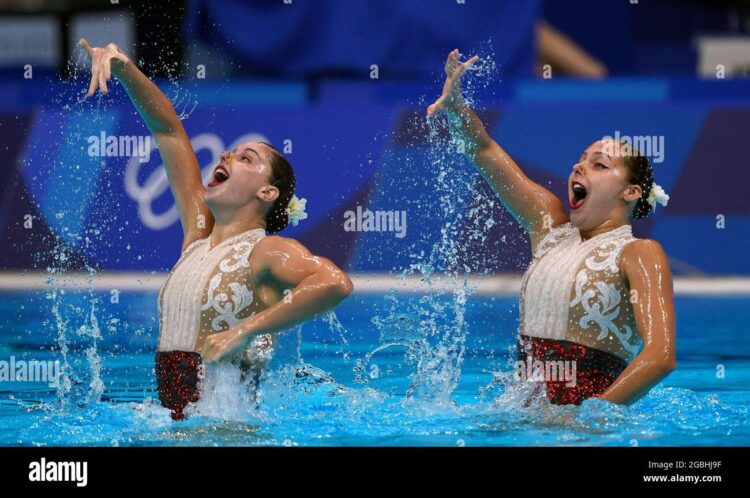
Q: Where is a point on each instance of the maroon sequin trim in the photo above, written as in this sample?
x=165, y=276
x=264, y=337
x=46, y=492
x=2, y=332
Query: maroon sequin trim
x=177, y=376
x=596, y=370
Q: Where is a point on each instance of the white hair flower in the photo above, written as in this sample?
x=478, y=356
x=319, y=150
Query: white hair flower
x=657, y=194
x=296, y=210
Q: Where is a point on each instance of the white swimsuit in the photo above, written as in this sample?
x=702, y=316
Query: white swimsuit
x=207, y=289
x=573, y=291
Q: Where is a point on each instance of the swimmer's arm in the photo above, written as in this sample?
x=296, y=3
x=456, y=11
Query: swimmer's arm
x=316, y=286
x=162, y=121
x=535, y=208
x=647, y=269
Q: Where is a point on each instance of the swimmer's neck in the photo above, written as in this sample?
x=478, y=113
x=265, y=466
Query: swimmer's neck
x=226, y=229
x=604, y=227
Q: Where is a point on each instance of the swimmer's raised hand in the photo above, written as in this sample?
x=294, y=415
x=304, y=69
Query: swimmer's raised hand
x=159, y=115
x=101, y=64
x=451, y=96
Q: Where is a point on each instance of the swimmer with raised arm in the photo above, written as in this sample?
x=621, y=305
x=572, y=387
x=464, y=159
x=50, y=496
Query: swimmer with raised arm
x=593, y=293
x=234, y=288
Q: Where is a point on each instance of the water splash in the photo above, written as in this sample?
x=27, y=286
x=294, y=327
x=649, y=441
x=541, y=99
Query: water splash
x=305, y=405
x=68, y=182
x=434, y=330
x=80, y=377
x=337, y=328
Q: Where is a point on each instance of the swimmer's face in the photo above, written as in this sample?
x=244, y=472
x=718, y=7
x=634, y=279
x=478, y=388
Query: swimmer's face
x=599, y=187
x=242, y=177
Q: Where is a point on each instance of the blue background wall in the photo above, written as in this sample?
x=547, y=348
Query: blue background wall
x=363, y=141
x=349, y=149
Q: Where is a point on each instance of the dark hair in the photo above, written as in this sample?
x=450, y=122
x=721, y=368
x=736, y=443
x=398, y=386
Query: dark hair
x=282, y=177
x=642, y=174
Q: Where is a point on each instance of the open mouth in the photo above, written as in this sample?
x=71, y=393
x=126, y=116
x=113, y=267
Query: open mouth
x=220, y=176
x=579, y=195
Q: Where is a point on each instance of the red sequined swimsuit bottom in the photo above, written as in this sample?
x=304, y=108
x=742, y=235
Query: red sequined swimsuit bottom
x=177, y=376
x=595, y=370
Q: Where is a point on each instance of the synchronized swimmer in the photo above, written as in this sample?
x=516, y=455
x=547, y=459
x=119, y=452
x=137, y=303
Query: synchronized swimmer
x=234, y=287
x=593, y=293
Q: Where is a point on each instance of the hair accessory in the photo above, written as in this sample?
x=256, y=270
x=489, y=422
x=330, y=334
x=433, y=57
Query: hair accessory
x=657, y=194
x=296, y=210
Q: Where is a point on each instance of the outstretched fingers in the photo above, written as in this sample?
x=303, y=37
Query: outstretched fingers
x=94, y=80
x=464, y=66
x=85, y=44
x=102, y=80
x=471, y=61
x=454, y=69
x=452, y=62
x=108, y=71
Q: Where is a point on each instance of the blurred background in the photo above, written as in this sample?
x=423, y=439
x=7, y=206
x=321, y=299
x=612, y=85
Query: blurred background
x=339, y=84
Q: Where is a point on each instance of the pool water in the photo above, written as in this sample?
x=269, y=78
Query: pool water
x=405, y=369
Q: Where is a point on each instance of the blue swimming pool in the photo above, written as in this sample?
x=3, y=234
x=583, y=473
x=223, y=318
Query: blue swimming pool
x=391, y=370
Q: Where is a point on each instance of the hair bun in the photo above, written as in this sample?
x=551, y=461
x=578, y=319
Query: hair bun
x=282, y=177
x=642, y=208
x=642, y=174
x=277, y=219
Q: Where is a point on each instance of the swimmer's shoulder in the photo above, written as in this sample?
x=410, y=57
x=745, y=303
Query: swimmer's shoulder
x=272, y=251
x=276, y=247
x=277, y=243
x=643, y=255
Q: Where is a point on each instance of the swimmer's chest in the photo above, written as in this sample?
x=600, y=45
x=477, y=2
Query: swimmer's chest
x=216, y=286
x=576, y=291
